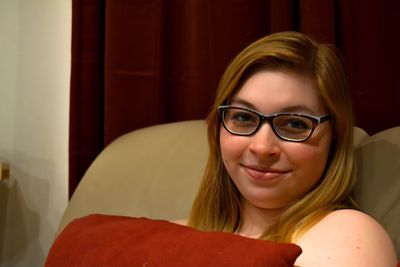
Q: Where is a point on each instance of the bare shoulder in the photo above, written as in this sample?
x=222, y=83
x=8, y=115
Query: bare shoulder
x=346, y=238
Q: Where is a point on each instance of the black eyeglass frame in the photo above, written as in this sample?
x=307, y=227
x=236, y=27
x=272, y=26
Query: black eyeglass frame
x=316, y=120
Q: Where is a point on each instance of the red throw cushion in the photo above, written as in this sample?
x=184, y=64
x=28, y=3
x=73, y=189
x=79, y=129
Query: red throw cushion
x=101, y=240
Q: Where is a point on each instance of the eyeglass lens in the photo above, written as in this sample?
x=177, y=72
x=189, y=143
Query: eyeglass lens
x=244, y=122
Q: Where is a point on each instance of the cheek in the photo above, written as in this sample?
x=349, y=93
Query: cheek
x=311, y=160
x=232, y=147
x=228, y=149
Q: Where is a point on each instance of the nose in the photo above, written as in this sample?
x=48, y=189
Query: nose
x=264, y=142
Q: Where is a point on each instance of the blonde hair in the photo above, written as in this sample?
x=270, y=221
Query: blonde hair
x=217, y=204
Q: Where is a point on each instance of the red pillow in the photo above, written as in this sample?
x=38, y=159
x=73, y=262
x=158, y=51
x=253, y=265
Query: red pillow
x=101, y=240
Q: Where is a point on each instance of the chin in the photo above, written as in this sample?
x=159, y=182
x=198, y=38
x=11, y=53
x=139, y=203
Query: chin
x=269, y=203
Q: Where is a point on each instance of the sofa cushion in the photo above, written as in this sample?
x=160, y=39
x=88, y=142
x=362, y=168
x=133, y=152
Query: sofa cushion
x=160, y=166
x=378, y=186
x=100, y=240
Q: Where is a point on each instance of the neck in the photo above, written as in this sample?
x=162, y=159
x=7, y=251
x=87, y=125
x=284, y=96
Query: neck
x=255, y=221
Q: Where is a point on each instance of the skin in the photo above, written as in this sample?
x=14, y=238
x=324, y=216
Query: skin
x=271, y=173
x=346, y=238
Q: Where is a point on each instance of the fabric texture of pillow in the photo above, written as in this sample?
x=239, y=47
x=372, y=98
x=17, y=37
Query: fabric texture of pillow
x=103, y=240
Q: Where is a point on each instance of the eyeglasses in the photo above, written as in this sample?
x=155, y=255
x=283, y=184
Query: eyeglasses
x=287, y=126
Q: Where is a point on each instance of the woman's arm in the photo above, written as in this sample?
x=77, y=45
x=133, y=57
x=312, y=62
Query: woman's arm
x=346, y=238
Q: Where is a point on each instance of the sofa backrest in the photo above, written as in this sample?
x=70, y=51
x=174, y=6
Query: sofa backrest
x=378, y=184
x=152, y=172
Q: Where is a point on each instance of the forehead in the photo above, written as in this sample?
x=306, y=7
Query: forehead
x=276, y=91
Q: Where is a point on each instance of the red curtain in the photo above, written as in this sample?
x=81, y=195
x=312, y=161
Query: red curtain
x=137, y=63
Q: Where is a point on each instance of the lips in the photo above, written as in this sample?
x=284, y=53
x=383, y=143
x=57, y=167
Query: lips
x=264, y=174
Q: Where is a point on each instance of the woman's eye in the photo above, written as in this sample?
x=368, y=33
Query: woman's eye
x=295, y=124
x=243, y=117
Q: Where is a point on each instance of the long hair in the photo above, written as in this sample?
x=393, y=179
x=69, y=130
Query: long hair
x=217, y=204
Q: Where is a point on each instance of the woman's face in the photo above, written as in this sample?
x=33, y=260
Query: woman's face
x=271, y=173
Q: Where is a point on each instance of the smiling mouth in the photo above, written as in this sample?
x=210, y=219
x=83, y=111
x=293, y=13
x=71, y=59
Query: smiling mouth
x=264, y=174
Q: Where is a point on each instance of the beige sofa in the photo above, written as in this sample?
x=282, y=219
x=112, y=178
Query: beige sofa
x=155, y=172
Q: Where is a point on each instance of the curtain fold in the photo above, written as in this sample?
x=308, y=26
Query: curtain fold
x=86, y=104
x=369, y=40
x=137, y=63
x=133, y=36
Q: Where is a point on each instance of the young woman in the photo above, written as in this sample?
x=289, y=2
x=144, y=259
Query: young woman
x=281, y=163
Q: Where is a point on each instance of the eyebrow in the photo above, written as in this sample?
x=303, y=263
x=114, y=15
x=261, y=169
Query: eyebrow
x=291, y=109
